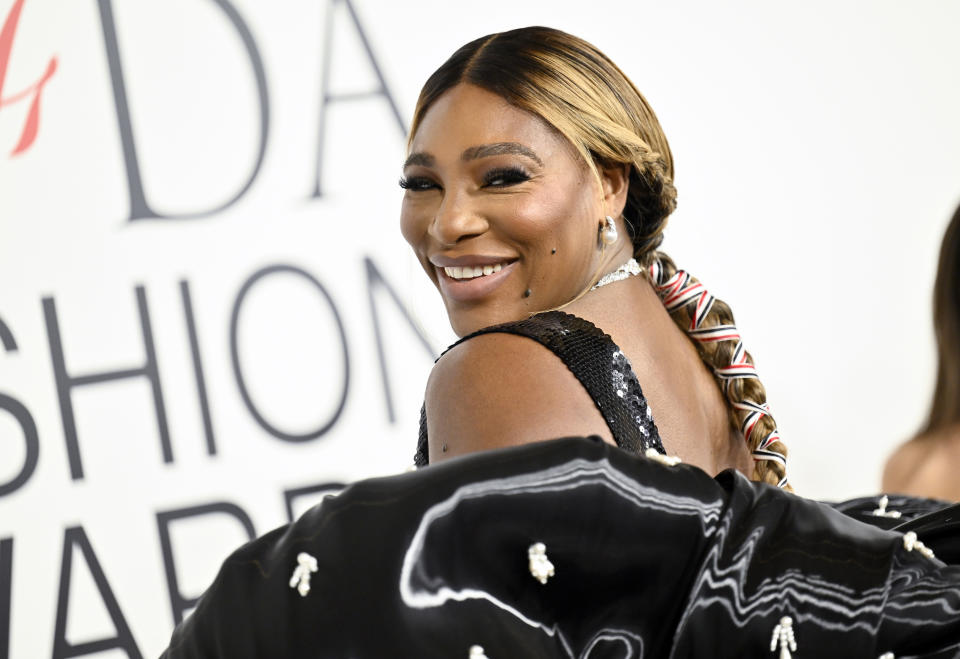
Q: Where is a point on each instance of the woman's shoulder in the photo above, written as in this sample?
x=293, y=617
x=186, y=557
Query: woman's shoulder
x=548, y=343
x=903, y=462
x=486, y=353
x=500, y=388
x=925, y=465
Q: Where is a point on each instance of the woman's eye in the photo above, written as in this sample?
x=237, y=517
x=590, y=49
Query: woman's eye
x=505, y=177
x=416, y=183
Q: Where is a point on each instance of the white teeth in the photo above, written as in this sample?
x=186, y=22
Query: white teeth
x=471, y=272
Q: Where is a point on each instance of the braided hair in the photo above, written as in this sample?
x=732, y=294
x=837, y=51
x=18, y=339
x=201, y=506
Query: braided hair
x=709, y=323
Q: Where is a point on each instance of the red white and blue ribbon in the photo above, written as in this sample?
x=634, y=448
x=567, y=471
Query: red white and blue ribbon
x=681, y=289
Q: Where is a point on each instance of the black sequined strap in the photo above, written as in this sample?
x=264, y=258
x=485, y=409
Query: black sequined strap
x=420, y=458
x=599, y=365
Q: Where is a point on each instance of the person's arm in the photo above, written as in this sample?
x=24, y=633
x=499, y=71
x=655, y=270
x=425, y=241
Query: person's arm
x=500, y=390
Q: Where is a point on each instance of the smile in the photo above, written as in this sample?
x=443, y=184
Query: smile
x=468, y=272
x=472, y=283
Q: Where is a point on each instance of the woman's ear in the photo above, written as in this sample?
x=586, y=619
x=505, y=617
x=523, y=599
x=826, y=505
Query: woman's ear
x=615, y=180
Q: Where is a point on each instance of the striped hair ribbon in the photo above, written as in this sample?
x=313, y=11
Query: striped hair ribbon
x=776, y=457
x=682, y=289
x=755, y=413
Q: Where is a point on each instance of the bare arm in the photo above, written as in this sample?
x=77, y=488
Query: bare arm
x=499, y=390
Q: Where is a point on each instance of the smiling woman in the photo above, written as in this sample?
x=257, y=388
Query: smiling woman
x=536, y=190
x=537, y=175
x=498, y=203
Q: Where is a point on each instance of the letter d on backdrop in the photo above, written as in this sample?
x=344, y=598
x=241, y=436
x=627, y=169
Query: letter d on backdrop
x=139, y=206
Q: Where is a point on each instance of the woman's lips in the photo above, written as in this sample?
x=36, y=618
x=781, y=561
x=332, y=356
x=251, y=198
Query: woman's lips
x=463, y=285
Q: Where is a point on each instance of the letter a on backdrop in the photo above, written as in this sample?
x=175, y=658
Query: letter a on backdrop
x=62, y=648
x=328, y=97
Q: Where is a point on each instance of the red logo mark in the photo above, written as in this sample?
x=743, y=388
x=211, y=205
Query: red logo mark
x=29, y=133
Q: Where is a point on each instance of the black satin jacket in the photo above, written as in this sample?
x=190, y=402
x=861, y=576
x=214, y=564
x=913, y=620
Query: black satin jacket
x=648, y=560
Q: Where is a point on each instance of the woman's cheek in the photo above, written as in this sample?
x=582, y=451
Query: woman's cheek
x=526, y=221
x=412, y=226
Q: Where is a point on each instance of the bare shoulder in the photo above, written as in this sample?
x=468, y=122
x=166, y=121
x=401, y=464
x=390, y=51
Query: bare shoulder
x=501, y=389
x=926, y=466
x=903, y=464
x=937, y=474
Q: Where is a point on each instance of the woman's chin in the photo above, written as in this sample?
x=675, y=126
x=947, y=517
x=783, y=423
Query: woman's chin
x=464, y=323
x=467, y=321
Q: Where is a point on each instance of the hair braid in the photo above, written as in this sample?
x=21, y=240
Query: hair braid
x=709, y=323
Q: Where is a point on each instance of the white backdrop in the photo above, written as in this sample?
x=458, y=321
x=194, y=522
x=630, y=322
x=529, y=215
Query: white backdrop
x=818, y=160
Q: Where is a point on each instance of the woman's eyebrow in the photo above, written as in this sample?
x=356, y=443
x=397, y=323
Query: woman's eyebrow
x=500, y=148
x=474, y=152
x=419, y=158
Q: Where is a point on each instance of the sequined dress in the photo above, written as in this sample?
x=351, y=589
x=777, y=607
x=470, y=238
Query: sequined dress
x=599, y=365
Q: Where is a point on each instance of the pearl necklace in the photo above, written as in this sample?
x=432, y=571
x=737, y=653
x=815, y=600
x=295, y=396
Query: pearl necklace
x=629, y=269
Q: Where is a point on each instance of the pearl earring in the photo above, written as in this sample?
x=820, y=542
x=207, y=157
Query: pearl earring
x=608, y=232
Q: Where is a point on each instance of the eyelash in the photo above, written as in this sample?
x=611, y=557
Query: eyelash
x=416, y=183
x=506, y=176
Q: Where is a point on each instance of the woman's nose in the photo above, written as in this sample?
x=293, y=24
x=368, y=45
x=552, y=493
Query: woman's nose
x=457, y=218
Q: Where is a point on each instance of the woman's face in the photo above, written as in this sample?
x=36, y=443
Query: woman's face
x=500, y=210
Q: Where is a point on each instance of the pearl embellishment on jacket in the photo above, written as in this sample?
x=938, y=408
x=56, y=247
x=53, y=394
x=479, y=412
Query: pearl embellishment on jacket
x=540, y=566
x=306, y=564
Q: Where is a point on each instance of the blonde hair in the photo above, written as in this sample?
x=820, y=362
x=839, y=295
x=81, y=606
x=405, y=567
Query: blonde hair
x=585, y=97
x=578, y=91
